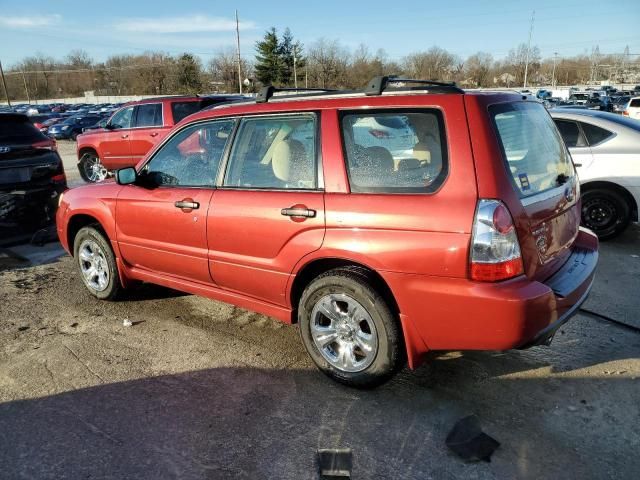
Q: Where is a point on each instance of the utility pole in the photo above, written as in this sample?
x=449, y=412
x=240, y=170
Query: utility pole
x=295, y=71
x=526, y=63
x=553, y=75
x=4, y=83
x=238, y=40
x=26, y=89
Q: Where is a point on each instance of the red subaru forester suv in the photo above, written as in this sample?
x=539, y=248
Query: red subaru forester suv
x=409, y=217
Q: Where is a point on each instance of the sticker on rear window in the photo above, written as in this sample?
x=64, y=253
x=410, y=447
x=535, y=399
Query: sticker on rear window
x=524, y=181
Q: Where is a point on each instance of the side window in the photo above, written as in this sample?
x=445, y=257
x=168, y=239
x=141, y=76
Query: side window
x=571, y=134
x=274, y=152
x=180, y=110
x=149, y=115
x=191, y=157
x=595, y=134
x=395, y=152
x=122, y=118
x=635, y=103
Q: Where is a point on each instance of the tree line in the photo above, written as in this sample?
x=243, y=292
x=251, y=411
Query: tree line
x=284, y=61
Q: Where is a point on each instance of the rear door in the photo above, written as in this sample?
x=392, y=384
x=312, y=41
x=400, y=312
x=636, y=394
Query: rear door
x=576, y=141
x=147, y=129
x=114, y=147
x=269, y=211
x=546, y=205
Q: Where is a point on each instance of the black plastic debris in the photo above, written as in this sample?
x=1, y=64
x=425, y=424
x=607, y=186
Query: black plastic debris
x=335, y=463
x=469, y=442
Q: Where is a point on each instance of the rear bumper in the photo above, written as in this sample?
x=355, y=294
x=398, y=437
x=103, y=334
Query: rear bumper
x=460, y=314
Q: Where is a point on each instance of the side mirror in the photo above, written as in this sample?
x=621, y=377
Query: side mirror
x=109, y=126
x=126, y=176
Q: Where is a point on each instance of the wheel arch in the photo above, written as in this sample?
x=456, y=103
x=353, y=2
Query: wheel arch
x=318, y=266
x=79, y=221
x=87, y=149
x=585, y=187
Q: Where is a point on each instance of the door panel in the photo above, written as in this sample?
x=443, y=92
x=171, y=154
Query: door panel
x=115, y=150
x=253, y=246
x=142, y=140
x=154, y=234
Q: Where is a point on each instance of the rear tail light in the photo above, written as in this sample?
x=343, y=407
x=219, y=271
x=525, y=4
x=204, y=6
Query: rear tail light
x=495, y=251
x=45, y=145
x=60, y=178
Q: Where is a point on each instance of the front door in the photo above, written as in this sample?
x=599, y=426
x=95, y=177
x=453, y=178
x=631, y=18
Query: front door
x=114, y=145
x=269, y=212
x=162, y=219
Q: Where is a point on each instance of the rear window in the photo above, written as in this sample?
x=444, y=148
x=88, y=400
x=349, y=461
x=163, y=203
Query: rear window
x=182, y=110
x=595, y=134
x=534, y=151
x=398, y=151
x=12, y=127
x=635, y=102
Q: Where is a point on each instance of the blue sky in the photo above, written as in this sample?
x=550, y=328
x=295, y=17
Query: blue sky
x=204, y=27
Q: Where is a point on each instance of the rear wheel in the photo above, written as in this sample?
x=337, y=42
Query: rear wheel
x=349, y=330
x=91, y=170
x=96, y=263
x=605, y=212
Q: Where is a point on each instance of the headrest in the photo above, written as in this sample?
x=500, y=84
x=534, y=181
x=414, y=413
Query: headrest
x=289, y=161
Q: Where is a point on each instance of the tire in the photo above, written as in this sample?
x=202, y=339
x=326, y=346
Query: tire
x=92, y=250
x=90, y=168
x=605, y=212
x=365, y=350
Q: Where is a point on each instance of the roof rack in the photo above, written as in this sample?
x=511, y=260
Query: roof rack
x=267, y=92
x=379, y=84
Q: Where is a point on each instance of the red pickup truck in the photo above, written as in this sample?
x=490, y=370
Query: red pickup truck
x=133, y=130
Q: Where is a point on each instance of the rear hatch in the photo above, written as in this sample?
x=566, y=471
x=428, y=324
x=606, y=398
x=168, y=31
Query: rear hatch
x=546, y=206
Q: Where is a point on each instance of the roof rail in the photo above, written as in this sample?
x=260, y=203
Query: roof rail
x=267, y=92
x=379, y=84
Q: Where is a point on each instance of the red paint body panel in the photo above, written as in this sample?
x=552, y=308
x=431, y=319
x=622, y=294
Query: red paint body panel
x=239, y=248
x=252, y=247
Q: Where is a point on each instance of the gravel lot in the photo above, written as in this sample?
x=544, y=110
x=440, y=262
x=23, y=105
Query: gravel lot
x=199, y=389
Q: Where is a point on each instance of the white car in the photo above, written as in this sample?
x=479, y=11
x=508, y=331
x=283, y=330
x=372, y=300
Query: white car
x=632, y=110
x=605, y=148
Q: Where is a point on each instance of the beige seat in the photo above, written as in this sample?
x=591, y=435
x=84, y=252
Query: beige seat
x=421, y=152
x=291, y=164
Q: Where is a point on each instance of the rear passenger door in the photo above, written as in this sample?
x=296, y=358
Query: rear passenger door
x=268, y=212
x=147, y=129
x=576, y=142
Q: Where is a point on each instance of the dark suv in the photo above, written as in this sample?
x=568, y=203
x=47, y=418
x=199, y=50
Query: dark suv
x=31, y=178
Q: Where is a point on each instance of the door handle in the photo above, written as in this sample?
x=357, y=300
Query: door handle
x=187, y=205
x=298, y=212
x=154, y=134
x=125, y=135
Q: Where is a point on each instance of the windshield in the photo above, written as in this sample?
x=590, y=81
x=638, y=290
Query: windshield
x=534, y=151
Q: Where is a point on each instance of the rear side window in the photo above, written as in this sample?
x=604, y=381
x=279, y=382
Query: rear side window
x=274, y=153
x=182, y=110
x=595, y=134
x=13, y=127
x=635, y=102
x=571, y=133
x=149, y=115
x=394, y=151
x=532, y=146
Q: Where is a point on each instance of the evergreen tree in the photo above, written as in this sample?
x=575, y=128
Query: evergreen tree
x=269, y=63
x=189, y=69
x=290, y=52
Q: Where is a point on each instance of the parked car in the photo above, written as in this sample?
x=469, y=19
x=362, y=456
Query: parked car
x=44, y=126
x=620, y=103
x=632, y=108
x=39, y=119
x=72, y=126
x=606, y=151
x=31, y=178
x=472, y=243
x=102, y=123
x=579, y=98
x=133, y=130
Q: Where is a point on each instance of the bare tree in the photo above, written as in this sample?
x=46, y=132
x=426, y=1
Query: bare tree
x=477, y=68
x=434, y=64
x=327, y=64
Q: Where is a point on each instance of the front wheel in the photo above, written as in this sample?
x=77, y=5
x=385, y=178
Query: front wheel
x=97, y=263
x=349, y=330
x=91, y=170
x=605, y=212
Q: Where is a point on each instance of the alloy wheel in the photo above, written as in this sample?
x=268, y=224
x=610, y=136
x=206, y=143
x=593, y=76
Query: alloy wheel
x=93, y=265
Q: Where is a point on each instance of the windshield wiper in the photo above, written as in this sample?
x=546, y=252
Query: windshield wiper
x=562, y=179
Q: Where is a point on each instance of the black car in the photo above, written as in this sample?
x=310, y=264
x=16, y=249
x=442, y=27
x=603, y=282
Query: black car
x=72, y=126
x=31, y=179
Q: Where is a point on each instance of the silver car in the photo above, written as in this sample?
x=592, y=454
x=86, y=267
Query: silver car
x=605, y=148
